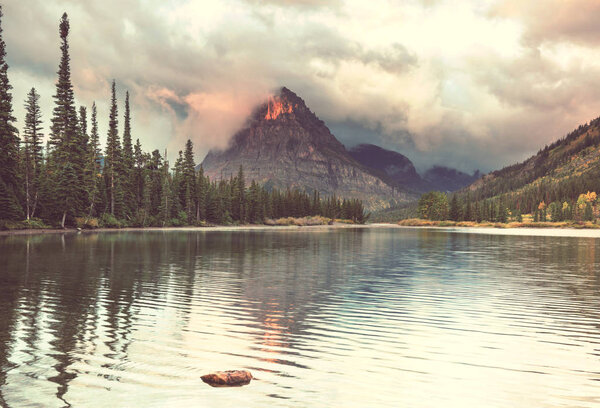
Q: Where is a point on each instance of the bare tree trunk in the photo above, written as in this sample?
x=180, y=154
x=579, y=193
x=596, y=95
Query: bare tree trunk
x=62, y=224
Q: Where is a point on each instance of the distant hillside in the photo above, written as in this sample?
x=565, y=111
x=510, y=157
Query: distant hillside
x=558, y=173
x=285, y=145
x=447, y=179
x=393, y=167
x=398, y=171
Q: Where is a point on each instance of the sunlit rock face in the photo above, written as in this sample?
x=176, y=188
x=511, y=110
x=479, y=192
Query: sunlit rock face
x=284, y=144
x=277, y=106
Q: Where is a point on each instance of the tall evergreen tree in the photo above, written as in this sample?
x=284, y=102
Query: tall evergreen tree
x=189, y=181
x=93, y=170
x=128, y=162
x=68, y=144
x=113, y=160
x=139, y=185
x=9, y=143
x=166, y=202
x=64, y=119
x=32, y=138
x=83, y=124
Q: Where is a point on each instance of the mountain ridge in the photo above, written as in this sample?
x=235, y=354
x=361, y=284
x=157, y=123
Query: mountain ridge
x=285, y=145
x=399, y=171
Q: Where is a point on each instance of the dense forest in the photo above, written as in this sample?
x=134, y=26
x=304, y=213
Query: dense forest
x=559, y=183
x=71, y=181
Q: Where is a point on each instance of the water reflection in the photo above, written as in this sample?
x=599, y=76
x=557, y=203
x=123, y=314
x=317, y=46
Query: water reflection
x=359, y=317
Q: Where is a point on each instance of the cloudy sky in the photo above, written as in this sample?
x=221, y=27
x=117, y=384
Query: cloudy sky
x=470, y=84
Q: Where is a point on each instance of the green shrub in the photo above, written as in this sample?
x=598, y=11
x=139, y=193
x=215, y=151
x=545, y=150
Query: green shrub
x=34, y=223
x=109, y=221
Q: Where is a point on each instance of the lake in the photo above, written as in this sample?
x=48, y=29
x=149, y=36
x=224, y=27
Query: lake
x=355, y=317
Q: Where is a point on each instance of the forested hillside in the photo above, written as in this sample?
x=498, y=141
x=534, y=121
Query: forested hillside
x=558, y=183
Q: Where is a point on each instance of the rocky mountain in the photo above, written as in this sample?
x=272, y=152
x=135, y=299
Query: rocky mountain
x=284, y=144
x=398, y=171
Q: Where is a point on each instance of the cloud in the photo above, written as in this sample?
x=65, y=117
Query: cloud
x=441, y=81
x=302, y=4
x=554, y=20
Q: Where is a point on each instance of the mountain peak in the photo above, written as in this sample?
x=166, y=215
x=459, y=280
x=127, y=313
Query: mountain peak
x=281, y=103
x=285, y=145
x=276, y=106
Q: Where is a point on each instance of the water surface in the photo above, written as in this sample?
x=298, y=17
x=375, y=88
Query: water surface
x=322, y=318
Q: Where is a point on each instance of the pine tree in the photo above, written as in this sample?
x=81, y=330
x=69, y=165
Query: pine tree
x=9, y=144
x=83, y=124
x=166, y=196
x=113, y=160
x=146, y=203
x=66, y=185
x=93, y=170
x=68, y=144
x=138, y=174
x=189, y=180
x=201, y=191
x=238, y=197
x=454, y=208
x=128, y=162
x=64, y=120
x=253, y=203
x=156, y=182
x=32, y=138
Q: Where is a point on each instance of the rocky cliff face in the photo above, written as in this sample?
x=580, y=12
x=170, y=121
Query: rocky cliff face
x=284, y=144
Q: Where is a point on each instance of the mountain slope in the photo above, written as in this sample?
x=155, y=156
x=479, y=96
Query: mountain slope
x=558, y=173
x=284, y=144
x=393, y=167
x=398, y=171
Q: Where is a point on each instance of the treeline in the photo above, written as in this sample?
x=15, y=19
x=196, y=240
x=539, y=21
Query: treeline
x=525, y=185
x=557, y=184
x=73, y=182
x=437, y=206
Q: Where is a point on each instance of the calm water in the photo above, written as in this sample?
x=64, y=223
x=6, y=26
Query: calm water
x=327, y=318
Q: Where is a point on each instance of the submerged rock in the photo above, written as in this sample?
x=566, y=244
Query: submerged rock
x=233, y=378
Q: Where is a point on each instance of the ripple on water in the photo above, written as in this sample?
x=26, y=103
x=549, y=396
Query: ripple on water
x=381, y=317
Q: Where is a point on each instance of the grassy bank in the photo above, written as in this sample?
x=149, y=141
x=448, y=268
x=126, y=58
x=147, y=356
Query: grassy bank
x=37, y=226
x=417, y=222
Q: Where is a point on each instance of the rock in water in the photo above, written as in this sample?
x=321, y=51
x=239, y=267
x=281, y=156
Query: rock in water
x=233, y=378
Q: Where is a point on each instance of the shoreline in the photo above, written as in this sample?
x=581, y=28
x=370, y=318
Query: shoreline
x=490, y=229
x=247, y=227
